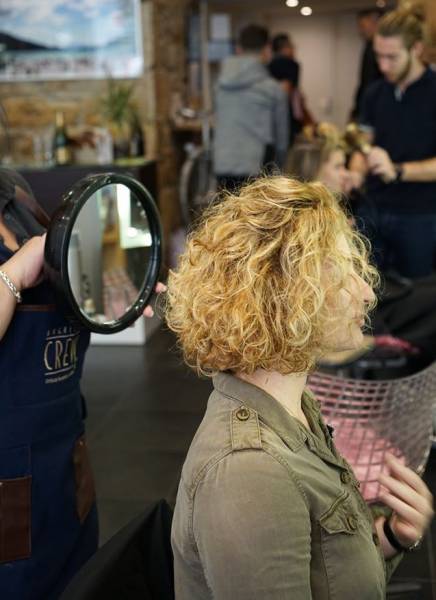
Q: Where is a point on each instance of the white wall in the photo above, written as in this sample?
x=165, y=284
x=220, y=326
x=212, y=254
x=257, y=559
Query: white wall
x=328, y=48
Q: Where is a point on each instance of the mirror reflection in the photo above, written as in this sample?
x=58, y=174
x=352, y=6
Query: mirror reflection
x=108, y=254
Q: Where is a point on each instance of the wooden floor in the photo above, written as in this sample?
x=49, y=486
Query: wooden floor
x=143, y=409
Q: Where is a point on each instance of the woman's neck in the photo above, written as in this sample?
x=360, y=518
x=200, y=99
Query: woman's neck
x=286, y=389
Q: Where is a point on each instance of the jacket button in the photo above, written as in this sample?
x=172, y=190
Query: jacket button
x=243, y=414
x=375, y=539
x=352, y=522
x=345, y=477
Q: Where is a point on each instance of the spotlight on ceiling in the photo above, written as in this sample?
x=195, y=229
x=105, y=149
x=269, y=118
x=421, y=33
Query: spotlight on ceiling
x=292, y=3
x=306, y=11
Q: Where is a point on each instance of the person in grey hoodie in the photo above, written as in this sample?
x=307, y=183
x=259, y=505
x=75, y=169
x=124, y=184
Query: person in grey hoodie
x=251, y=113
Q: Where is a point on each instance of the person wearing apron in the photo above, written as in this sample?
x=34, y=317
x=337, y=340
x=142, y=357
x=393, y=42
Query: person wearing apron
x=48, y=515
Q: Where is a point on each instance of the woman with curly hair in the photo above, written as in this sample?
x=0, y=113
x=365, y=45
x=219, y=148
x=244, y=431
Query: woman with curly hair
x=273, y=278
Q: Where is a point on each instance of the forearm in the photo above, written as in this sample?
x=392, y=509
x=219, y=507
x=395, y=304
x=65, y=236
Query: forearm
x=420, y=170
x=24, y=270
x=7, y=303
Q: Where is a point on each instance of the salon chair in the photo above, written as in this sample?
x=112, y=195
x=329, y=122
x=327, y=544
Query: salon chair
x=372, y=417
x=135, y=564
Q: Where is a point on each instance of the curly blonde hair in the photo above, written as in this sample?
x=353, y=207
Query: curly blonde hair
x=247, y=293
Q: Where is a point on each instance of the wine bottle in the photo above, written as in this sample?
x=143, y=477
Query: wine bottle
x=61, y=148
x=137, y=143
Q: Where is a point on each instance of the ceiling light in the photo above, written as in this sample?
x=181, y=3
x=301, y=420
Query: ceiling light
x=306, y=11
x=292, y=3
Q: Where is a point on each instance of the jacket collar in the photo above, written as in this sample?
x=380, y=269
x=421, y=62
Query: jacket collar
x=277, y=418
x=270, y=411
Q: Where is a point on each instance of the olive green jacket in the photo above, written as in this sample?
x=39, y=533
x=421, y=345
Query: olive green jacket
x=269, y=510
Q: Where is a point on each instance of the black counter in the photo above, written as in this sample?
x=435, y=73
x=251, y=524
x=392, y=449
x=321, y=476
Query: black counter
x=50, y=183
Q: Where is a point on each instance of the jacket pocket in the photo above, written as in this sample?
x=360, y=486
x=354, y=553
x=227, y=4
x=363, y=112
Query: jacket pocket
x=345, y=543
x=339, y=527
x=15, y=504
x=340, y=517
x=85, y=489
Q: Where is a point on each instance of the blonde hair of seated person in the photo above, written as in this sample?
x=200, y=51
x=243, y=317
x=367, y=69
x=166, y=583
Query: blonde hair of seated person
x=248, y=292
x=321, y=156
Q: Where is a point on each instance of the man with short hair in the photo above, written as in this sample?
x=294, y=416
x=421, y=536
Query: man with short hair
x=286, y=70
x=367, y=21
x=283, y=65
x=401, y=186
x=251, y=113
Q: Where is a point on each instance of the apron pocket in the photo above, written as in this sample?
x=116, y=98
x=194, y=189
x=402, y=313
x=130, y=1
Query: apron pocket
x=15, y=530
x=85, y=490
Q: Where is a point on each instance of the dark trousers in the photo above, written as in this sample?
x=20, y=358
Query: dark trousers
x=404, y=243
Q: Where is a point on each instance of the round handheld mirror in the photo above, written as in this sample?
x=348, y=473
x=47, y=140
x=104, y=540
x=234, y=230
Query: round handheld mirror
x=103, y=251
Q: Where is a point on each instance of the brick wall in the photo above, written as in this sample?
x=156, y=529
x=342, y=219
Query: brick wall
x=169, y=26
x=31, y=106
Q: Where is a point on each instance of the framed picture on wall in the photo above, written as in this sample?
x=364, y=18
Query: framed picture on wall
x=70, y=39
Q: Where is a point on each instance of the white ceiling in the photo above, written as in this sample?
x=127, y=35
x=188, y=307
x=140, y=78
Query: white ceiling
x=278, y=6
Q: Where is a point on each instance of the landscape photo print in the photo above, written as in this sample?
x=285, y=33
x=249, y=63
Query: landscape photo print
x=70, y=39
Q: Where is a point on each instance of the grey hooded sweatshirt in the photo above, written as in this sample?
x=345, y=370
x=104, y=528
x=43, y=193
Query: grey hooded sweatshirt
x=252, y=118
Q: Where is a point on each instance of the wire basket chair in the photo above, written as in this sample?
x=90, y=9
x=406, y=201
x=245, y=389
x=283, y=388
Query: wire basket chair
x=371, y=418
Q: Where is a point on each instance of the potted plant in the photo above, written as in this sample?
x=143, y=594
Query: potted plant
x=119, y=109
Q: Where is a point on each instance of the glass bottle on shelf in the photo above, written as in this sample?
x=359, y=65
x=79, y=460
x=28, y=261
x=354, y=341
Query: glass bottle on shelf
x=137, y=144
x=61, y=147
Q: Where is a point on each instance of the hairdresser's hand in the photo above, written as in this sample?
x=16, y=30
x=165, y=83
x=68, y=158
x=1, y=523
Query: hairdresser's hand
x=160, y=287
x=410, y=500
x=380, y=163
x=352, y=181
x=25, y=266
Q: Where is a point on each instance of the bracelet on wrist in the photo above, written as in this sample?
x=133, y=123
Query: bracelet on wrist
x=394, y=542
x=9, y=284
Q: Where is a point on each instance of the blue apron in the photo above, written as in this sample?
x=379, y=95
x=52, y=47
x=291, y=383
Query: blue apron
x=48, y=517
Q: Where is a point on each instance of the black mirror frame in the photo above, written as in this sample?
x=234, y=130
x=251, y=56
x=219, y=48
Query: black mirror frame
x=58, y=238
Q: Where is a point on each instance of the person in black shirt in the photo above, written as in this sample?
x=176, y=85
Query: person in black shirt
x=367, y=21
x=400, y=212
x=283, y=66
x=286, y=70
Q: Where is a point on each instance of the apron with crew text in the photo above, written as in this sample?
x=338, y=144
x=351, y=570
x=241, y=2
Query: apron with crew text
x=48, y=517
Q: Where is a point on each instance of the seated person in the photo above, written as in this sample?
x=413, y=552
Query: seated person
x=321, y=155
x=273, y=278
